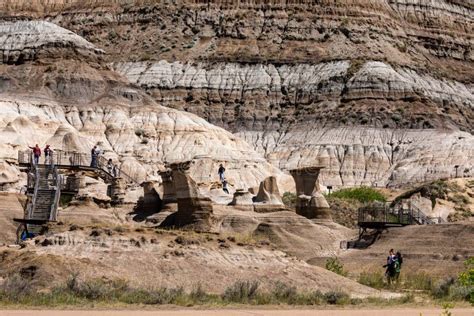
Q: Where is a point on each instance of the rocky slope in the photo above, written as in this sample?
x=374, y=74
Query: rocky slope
x=100, y=243
x=55, y=89
x=378, y=90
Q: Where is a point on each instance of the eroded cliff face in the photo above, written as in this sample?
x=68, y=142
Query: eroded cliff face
x=74, y=103
x=378, y=90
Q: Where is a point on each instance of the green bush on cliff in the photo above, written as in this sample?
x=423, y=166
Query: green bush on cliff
x=361, y=194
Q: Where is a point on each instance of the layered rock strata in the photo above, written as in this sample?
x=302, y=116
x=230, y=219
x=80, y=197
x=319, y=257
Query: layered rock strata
x=73, y=104
x=310, y=202
x=194, y=209
x=300, y=80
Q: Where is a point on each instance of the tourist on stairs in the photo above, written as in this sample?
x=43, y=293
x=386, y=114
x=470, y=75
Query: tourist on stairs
x=48, y=155
x=36, y=153
x=94, y=155
x=110, y=167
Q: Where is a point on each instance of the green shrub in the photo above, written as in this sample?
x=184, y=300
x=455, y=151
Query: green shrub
x=372, y=279
x=361, y=194
x=289, y=199
x=419, y=281
x=338, y=298
x=466, y=278
x=334, y=265
x=241, y=291
x=441, y=288
x=284, y=293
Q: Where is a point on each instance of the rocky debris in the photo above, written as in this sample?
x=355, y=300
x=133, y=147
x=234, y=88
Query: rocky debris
x=21, y=41
x=310, y=202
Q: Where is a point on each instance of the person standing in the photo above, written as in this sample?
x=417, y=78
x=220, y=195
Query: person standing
x=390, y=266
x=110, y=166
x=36, y=153
x=94, y=156
x=221, y=172
x=48, y=155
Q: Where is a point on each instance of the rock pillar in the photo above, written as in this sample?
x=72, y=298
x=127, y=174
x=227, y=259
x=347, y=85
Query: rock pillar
x=310, y=202
x=268, y=192
x=116, y=191
x=169, y=191
x=194, y=210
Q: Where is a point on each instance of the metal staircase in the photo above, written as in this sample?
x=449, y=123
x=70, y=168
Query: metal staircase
x=44, y=192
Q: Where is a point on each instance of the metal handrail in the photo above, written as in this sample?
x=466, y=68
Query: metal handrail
x=61, y=157
x=57, y=195
x=31, y=206
x=395, y=215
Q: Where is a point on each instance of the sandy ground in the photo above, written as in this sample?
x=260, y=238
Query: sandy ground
x=247, y=312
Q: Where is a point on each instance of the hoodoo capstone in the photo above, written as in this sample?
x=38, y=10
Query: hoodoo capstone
x=194, y=209
x=310, y=202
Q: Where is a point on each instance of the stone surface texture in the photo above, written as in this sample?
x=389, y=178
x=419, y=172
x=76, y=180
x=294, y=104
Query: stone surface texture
x=379, y=91
x=310, y=202
x=194, y=209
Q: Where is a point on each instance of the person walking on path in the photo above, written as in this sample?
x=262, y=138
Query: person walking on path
x=48, y=155
x=94, y=155
x=224, y=186
x=36, y=153
x=221, y=172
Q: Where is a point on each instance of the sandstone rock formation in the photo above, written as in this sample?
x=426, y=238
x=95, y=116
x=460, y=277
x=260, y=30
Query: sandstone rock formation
x=383, y=156
x=75, y=103
x=268, y=192
x=380, y=90
x=194, y=210
x=21, y=41
x=310, y=202
x=243, y=200
x=151, y=202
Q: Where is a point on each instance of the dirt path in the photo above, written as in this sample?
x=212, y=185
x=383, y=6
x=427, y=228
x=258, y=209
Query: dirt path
x=247, y=312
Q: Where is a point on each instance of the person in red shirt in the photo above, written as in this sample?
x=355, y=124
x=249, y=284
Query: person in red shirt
x=36, y=153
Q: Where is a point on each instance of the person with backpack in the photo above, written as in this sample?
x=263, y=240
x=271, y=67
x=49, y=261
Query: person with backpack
x=36, y=153
x=398, y=266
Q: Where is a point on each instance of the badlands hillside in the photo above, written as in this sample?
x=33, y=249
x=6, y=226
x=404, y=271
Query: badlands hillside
x=378, y=91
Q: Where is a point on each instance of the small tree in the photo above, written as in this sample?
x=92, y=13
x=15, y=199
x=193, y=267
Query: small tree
x=334, y=265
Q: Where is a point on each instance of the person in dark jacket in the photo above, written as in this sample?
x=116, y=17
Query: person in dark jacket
x=48, y=155
x=94, y=156
x=221, y=172
x=224, y=186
